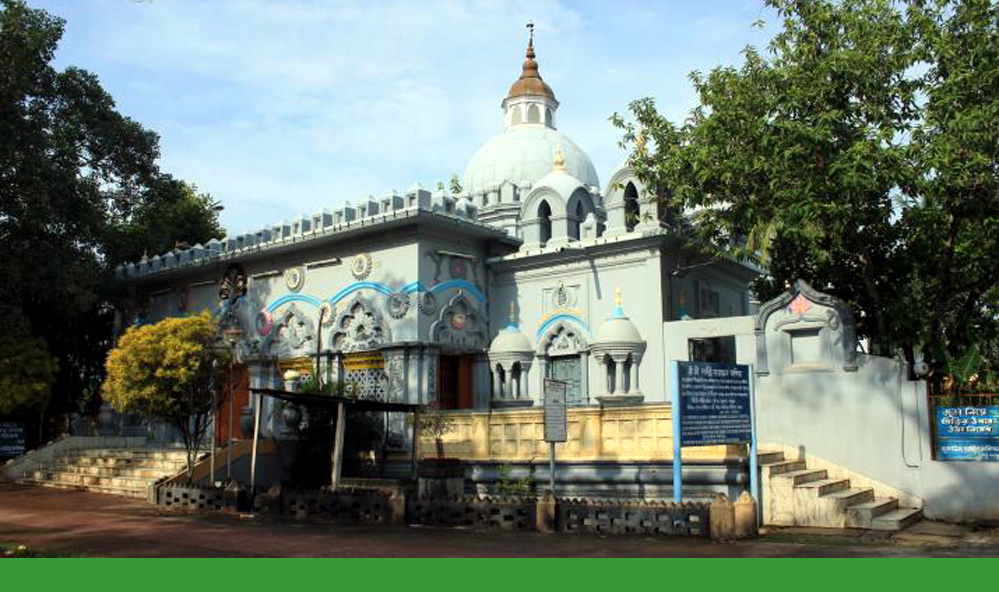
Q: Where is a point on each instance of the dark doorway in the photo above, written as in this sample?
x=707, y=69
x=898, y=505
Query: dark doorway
x=234, y=394
x=455, y=382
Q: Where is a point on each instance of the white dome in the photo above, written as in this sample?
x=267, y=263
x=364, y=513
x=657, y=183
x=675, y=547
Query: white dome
x=525, y=153
x=510, y=340
x=618, y=329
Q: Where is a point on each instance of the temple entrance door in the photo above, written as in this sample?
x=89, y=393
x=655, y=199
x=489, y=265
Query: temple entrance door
x=234, y=394
x=570, y=370
x=455, y=382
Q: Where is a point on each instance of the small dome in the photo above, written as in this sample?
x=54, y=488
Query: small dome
x=510, y=340
x=618, y=330
x=562, y=183
x=525, y=154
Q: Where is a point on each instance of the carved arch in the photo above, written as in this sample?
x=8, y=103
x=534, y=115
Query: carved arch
x=359, y=326
x=562, y=338
x=292, y=336
x=529, y=210
x=460, y=325
x=614, y=192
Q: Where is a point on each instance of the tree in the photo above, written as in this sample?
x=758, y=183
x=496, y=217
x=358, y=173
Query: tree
x=26, y=374
x=80, y=192
x=168, y=370
x=858, y=153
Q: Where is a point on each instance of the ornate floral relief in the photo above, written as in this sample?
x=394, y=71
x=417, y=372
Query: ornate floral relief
x=398, y=305
x=292, y=334
x=361, y=265
x=359, y=328
x=562, y=339
x=459, y=325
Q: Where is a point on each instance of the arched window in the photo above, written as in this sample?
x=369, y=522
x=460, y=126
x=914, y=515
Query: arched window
x=544, y=222
x=516, y=118
x=631, y=210
x=580, y=214
x=549, y=117
x=533, y=114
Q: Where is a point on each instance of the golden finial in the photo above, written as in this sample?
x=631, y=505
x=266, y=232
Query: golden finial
x=617, y=297
x=530, y=29
x=513, y=312
x=640, y=141
x=558, y=163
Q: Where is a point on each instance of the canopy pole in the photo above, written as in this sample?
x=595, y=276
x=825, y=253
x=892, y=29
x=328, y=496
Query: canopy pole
x=253, y=458
x=338, y=446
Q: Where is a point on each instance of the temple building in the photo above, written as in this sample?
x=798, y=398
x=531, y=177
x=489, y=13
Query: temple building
x=469, y=301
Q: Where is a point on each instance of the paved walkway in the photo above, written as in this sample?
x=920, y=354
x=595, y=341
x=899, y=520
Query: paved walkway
x=103, y=525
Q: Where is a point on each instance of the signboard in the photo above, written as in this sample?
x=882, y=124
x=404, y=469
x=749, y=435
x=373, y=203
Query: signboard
x=969, y=432
x=714, y=403
x=363, y=361
x=11, y=439
x=555, y=412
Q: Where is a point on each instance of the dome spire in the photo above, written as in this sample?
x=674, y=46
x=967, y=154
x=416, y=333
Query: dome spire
x=530, y=82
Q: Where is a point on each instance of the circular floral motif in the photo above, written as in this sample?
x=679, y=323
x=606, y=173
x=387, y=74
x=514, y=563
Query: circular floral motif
x=458, y=320
x=264, y=322
x=361, y=265
x=398, y=305
x=428, y=303
x=294, y=278
x=327, y=313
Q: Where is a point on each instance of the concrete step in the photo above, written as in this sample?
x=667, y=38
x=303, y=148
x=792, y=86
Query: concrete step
x=112, y=461
x=79, y=480
x=821, y=487
x=126, y=472
x=160, y=467
x=802, y=476
x=132, y=453
x=141, y=493
x=861, y=515
x=783, y=467
x=897, y=519
x=766, y=458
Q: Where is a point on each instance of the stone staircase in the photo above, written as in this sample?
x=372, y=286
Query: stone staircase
x=117, y=471
x=794, y=495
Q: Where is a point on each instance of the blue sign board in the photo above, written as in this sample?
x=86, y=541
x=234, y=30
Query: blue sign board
x=11, y=439
x=969, y=432
x=714, y=403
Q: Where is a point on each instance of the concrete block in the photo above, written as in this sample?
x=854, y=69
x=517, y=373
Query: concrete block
x=722, y=518
x=547, y=511
x=746, y=524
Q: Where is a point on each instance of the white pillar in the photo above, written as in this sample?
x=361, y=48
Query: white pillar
x=618, y=377
x=633, y=384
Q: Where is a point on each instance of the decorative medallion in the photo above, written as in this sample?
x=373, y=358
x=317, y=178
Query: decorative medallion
x=561, y=297
x=398, y=305
x=183, y=299
x=327, y=313
x=458, y=320
x=459, y=268
x=361, y=265
x=264, y=322
x=294, y=278
x=428, y=303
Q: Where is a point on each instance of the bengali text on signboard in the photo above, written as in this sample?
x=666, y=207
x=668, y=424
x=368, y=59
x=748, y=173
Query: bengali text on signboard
x=11, y=439
x=969, y=432
x=714, y=403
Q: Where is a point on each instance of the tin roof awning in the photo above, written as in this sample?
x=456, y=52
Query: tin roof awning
x=354, y=404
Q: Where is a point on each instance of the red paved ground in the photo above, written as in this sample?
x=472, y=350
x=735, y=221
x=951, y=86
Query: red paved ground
x=103, y=525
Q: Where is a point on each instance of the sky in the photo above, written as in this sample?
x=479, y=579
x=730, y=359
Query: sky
x=284, y=108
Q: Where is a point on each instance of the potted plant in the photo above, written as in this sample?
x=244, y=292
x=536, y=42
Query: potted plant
x=439, y=476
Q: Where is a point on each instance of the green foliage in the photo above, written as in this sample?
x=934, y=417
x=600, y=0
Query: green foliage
x=26, y=374
x=168, y=370
x=434, y=423
x=80, y=192
x=455, y=184
x=859, y=153
x=523, y=486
